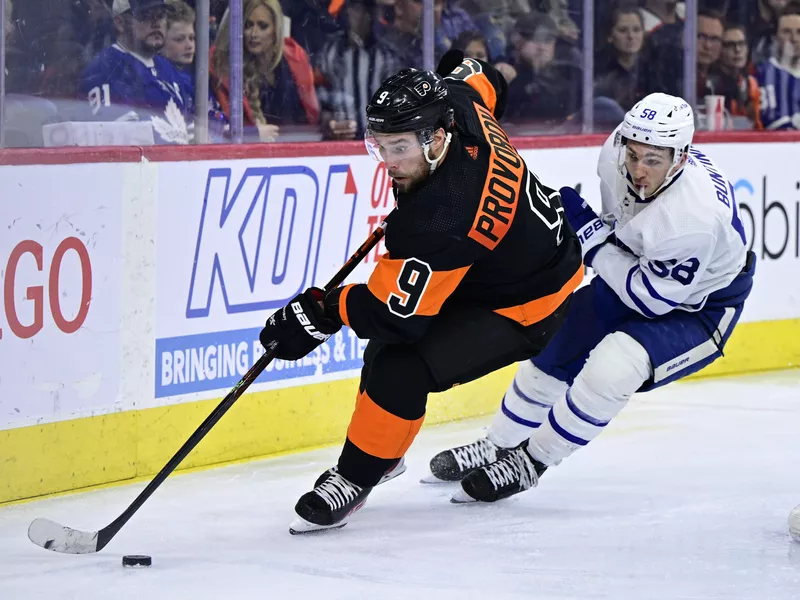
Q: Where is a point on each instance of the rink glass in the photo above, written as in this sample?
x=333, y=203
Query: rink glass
x=566, y=77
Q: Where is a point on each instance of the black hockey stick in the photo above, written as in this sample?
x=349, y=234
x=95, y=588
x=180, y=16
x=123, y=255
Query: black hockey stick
x=58, y=538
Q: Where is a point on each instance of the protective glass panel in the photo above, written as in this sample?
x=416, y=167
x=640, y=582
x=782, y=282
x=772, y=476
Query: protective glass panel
x=91, y=72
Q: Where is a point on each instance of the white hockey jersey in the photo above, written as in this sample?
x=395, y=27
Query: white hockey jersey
x=679, y=247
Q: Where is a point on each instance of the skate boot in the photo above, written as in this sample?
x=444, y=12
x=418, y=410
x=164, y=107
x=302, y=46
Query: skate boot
x=332, y=501
x=515, y=472
x=457, y=463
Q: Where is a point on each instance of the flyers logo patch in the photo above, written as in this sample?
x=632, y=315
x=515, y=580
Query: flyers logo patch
x=473, y=152
x=422, y=88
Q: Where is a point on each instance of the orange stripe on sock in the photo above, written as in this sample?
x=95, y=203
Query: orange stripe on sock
x=378, y=432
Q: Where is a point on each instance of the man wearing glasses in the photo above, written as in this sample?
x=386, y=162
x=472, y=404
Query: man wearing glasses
x=710, y=28
x=730, y=78
x=130, y=81
x=664, y=56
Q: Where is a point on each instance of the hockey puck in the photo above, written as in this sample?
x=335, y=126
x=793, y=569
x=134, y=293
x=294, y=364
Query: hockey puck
x=136, y=560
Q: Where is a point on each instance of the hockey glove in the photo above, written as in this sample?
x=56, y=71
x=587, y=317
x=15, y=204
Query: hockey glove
x=591, y=230
x=299, y=327
x=451, y=59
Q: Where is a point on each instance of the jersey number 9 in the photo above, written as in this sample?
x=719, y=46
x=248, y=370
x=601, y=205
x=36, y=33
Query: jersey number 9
x=411, y=282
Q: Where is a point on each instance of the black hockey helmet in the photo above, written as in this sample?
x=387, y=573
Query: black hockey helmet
x=410, y=100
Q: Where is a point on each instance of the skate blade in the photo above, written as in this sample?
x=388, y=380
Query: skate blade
x=430, y=478
x=461, y=497
x=299, y=526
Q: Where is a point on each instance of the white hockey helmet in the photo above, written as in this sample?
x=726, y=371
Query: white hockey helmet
x=659, y=120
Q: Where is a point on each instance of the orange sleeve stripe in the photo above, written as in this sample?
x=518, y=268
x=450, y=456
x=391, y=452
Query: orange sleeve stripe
x=384, y=283
x=378, y=432
x=481, y=84
x=536, y=310
x=343, y=304
x=383, y=280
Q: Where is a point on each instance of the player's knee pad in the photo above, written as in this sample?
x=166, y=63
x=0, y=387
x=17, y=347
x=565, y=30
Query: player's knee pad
x=399, y=381
x=537, y=385
x=525, y=405
x=615, y=369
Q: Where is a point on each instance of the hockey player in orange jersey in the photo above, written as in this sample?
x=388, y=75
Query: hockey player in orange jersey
x=479, y=270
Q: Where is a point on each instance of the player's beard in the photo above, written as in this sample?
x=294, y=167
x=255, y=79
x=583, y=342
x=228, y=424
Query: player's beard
x=410, y=182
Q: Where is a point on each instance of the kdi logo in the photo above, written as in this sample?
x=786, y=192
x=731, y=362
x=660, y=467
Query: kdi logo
x=260, y=242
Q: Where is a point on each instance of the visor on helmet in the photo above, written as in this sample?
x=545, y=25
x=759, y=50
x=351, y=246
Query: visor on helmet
x=397, y=146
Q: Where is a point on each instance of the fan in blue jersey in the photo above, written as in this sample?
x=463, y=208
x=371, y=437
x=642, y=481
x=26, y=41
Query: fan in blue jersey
x=130, y=81
x=779, y=77
x=673, y=273
x=179, y=48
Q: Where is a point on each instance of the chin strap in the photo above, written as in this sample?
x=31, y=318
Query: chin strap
x=434, y=163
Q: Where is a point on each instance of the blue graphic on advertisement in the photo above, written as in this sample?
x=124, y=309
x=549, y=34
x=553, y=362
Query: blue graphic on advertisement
x=210, y=361
x=259, y=243
x=255, y=243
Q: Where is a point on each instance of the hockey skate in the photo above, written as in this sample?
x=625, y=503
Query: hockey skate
x=455, y=464
x=332, y=501
x=515, y=472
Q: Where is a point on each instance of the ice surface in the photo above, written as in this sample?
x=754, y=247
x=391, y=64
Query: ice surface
x=685, y=496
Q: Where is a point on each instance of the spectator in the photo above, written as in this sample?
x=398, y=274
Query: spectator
x=278, y=81
x=312, y=22
x=131, y=81
x=664, y=55
x=403, y=37
x=547, y=87
x=351, y=66
x=80, y=33
x=656, y=13
x=179, y=45
x=179, y=48
x=489, y=26
x=449, y=22
x=779, y=77
x=568, y=30
x=762, y=27
x=504, y=13
x=730, y=78
x=710, y=27
x=473, y=44
x=617, y=65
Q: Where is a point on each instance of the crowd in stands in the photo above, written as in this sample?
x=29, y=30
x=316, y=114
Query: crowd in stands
x=315, y=63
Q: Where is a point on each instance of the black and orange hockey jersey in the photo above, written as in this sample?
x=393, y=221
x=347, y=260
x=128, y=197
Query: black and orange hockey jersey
x=481, y=230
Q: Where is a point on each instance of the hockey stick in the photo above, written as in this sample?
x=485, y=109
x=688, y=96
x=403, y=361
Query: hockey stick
x=58, y=538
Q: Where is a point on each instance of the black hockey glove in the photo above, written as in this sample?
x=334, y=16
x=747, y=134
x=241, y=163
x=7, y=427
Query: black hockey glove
x=299, y=327
x=451, y=59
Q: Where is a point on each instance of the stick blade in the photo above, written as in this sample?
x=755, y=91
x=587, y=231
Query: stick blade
x=58, y=538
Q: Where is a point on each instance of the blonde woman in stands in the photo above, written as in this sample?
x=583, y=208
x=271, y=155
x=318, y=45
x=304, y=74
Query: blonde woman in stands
x=278, y=81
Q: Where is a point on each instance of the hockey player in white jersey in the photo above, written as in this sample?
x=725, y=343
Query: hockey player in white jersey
x=672, y=275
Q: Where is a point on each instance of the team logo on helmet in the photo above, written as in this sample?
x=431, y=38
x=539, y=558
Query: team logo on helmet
x=422, y=88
